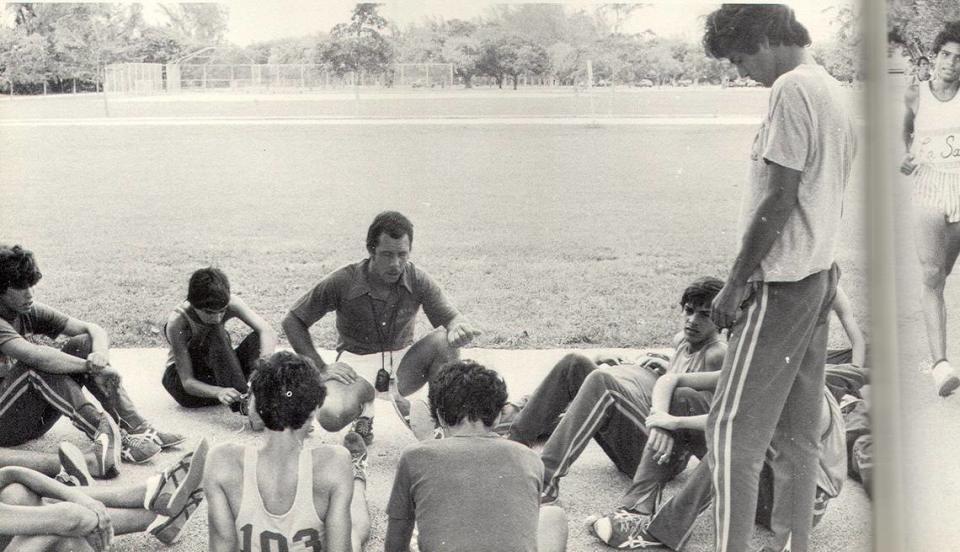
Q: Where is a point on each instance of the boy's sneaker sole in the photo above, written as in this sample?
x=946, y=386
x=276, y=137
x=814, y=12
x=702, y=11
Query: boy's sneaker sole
x=185, y=476
x=74, y=465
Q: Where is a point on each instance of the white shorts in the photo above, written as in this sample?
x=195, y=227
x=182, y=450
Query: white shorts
x=367, y=366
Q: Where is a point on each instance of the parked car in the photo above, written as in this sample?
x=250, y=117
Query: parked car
x=644, y=83
x=685, y=82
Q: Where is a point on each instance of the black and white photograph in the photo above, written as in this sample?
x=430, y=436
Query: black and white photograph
x=636, y=315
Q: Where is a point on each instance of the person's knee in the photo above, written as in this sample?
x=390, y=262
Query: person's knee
x=79, y=346
x=552, y=529
x=600, y=377
x=685, y=401
x=575, y=364
x=934, y=276
x=16, y=494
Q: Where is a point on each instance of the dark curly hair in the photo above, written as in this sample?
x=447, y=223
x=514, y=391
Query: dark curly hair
x=393, y=223
x=950, y=33
x=287, y=388
x=18, y=269
x=743, y=27
x=209, y=288
x=464, y=389
x=701, y=292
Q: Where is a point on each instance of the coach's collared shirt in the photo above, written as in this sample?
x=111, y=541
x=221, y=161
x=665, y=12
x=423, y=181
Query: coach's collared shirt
x=346, y=291
x=808, y=128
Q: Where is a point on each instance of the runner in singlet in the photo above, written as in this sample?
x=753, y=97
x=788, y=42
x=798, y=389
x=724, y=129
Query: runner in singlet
x=931, y=133
x=287, y=496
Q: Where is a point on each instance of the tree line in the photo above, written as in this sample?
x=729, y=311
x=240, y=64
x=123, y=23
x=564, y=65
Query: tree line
x=64, y=47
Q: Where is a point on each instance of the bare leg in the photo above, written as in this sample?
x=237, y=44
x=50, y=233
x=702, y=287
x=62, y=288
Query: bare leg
x=118, y=497
x=48, y=543
x=423, y=361
x=931, y=240
x=130, y=520
x=552, y=529
x=44, y=462
x=360, y=516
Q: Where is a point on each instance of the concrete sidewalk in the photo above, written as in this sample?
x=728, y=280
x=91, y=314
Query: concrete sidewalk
x=592, y=486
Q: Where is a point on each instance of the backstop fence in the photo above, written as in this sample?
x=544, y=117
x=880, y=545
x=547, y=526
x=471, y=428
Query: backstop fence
x=134, y=78
x=154, y=78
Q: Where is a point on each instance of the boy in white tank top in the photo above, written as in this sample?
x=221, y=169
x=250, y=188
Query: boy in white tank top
x=931, y=133
x=282, y=495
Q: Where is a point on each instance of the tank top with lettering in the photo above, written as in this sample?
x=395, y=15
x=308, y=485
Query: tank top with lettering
x=297, y=530
x=936, y=142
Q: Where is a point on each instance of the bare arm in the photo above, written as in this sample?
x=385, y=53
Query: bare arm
x=337, y=523
x=220, y=518
x=399, y=533
x=177, y=328
x=844, y=311
x=762, y=232
x=268, y=337
x=911, y=97
x=460, y=332
x=67, y=518
x=44, y=358
x=298, y=334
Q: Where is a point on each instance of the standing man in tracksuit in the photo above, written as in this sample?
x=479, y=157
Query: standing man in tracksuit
x=778, y=295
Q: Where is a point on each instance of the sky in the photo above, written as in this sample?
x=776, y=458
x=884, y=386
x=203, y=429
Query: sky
x=260, y=20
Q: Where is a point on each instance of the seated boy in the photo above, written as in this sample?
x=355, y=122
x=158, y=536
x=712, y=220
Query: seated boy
x=471, y=490
x=675, y=436
x=203, y=368
x=38, y=513
x=610, y=404
x=39, y=383
x=281, y=495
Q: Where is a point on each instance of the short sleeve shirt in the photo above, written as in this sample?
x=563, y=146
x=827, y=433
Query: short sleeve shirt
x=368, y=324
x=39, y=320
x=809, y=129
x=469, y=493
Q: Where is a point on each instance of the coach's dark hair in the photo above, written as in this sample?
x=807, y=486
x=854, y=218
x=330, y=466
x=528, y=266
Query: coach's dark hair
x=287, y=388
x=209, y=289
x=391, y=222
x=701, y=292
x=464, y=389
x=950, y=33
x=922, y=59
x=743, y=27
x=18, y=269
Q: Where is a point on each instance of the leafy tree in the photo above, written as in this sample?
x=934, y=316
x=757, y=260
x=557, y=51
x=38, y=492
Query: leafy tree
x=204, y=24
x=23, y=58
x=913, y=24
x=464, y=52
x=358, y=46
x=620, y=12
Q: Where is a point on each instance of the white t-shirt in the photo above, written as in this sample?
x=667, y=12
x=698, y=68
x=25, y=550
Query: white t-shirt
x=808, y=129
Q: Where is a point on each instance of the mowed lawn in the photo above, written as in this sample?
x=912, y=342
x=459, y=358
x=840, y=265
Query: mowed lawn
x=545, y=236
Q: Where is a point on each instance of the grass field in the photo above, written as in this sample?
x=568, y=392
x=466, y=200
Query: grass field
x=545, y=236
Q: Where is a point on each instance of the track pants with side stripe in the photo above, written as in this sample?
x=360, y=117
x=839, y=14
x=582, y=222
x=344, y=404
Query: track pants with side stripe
x=612, y=407
x=31, y=400
x=770, y=394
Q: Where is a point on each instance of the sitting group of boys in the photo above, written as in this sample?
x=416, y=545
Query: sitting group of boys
x=462, y=487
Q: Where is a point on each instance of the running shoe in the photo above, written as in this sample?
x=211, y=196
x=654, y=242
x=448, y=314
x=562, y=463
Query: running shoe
x=354, y=443
x=73, y=466
x=363, y=426
x=106, y=448
x=626, y=531
x=169, y=490
x=168, y=529
x=137, y=449
x=163, y=439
